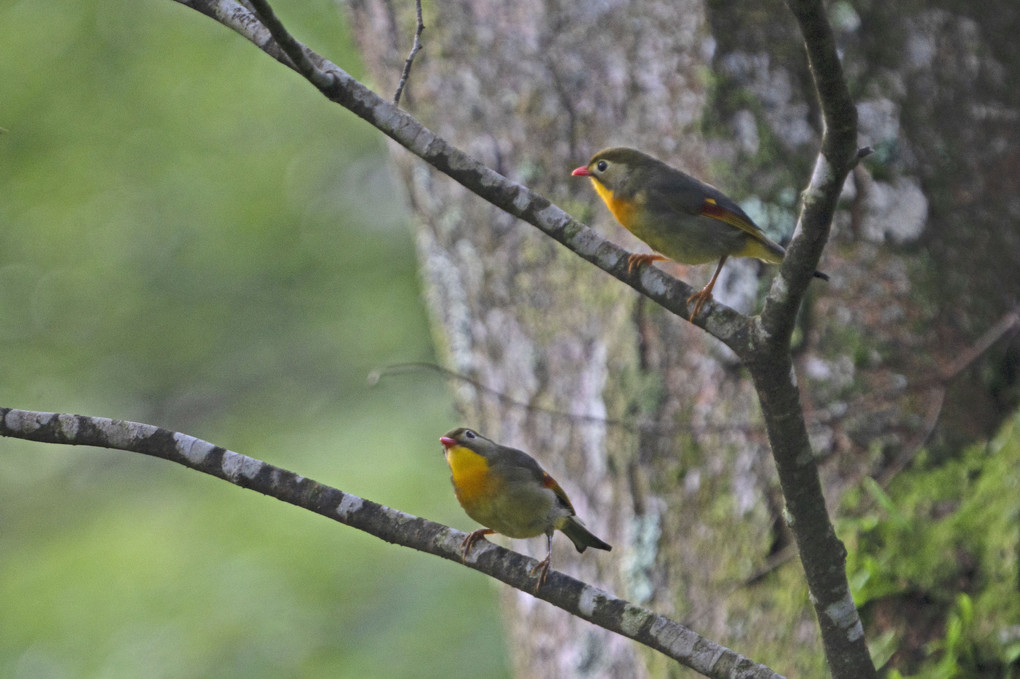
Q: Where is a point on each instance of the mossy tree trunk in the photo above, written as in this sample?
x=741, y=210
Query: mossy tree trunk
x=653, y=427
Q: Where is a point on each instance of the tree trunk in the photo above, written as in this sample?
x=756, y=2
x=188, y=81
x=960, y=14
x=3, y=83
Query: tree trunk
x=652, y=427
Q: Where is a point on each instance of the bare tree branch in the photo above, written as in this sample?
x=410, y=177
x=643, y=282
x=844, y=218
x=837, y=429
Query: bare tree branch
x=822, y=554
x=725, y=324
x=577, y=598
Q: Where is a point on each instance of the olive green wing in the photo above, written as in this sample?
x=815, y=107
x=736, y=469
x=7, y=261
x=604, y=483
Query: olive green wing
x=519, y=459
x=683, y=193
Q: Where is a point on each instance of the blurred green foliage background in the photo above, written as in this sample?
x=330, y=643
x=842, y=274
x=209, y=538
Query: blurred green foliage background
x=194, y=238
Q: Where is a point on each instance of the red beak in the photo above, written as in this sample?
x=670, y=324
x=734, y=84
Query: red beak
x=447, y=442
x=581, y=172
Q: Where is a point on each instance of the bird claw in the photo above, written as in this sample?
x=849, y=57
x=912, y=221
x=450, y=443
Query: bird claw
x=635, y=260
x=468, y=542
x=699, y=298
x=542, y=566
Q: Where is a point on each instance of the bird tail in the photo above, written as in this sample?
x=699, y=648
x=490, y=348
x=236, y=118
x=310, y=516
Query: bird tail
x=770, y=253
x=581, y=536
x=762, y=248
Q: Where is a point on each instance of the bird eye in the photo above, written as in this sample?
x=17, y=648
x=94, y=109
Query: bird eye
x=601, y=166
x=470, y=434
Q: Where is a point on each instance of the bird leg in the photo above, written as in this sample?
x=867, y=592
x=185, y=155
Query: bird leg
x=470, y=540
x=699, y=298
x=542, y=567
x=634, y=260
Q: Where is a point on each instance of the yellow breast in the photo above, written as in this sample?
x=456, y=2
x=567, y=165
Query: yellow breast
x=623, y=210
x=472, y=482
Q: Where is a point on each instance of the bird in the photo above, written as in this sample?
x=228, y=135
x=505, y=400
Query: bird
x=678, y=215
x=507, y=491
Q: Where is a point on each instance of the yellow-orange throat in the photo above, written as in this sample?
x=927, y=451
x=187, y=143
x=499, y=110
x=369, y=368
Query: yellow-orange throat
x=623, y=210
x=470, y=471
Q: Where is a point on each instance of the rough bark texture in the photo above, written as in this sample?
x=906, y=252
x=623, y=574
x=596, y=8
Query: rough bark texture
x=659, y=442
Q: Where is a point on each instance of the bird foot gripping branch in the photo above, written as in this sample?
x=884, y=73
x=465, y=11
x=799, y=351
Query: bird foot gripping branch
x=684, y=218
x=469, y=542
x=507, y=491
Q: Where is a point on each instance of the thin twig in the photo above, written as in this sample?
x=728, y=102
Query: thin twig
x=931, y=421
x=1010, y=321
x=399, y=368
x=636, y=426
x=941, y=378
x=417, y=47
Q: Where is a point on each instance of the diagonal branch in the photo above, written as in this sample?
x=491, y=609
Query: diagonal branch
x=577, y=598
x=724, y=323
